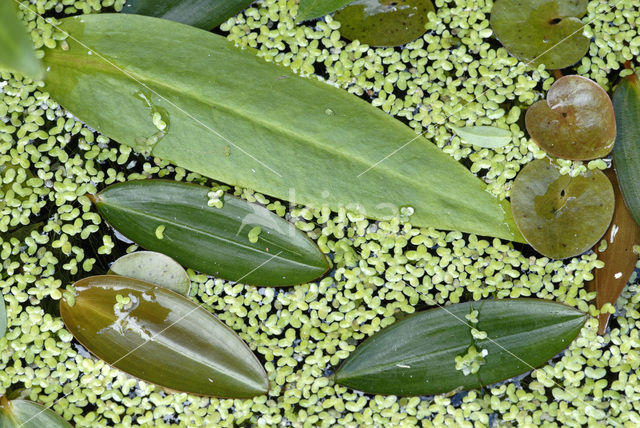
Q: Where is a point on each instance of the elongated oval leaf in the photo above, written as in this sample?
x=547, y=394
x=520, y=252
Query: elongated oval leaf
x=416, y=356
x=205, y=14
x=3, y=317
x=311, y=9
x=156, y=268
x=16, y=48
x=162, y=338
x=484, y=136
x=27, y=414
x=192, y=98
x=211, y=240
x=626, y=150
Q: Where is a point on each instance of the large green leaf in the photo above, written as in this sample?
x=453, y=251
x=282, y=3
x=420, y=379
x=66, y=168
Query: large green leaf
x=27, y=414
x=310, y=9
x=206, y=14
x=626, y=150
x=156, y=268
x=174, y=219
x=162, y=338
x=16, y=48
x=416, y=356
x=225, y=113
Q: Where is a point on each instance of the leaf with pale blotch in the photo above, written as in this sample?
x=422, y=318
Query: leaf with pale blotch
x=16, y=48
x=489, y=137
x=153, y=267
x=27, y=414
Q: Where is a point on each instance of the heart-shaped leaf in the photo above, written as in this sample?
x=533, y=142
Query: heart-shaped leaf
x=490, y=137
x=311, y=9
x=161, y=337
x=541, y=31
x=626, y=151
x=384, y=22
x=27, y=414
x=619, y=258
x=16, y=47
x=417, y=356
x=575, y=122
x=561, y=216
x=153, y=267
x=205, y=14
x=228, y=115
x=211, y=240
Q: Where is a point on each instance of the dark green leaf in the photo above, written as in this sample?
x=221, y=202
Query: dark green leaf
x=174, y=219
x=541, y=31
x=626, y=151
x=559, y=215
x=384, y=22
x=16, y=47
x=27, y=414
x=484, y=136
x=153, y=267
x=311, y=9
x=416, y=356
x=230, y=116
x=205, y=14
x=162, y=338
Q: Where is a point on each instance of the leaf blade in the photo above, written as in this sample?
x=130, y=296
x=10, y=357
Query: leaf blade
x=153, y=267
x=311, y=9
x=489, y=137
x=16, y=47
x=27, y=414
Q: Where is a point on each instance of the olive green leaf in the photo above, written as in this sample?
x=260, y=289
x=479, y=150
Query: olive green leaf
x=417, y=356
x=311, y=9
x=3, y=317
x=174, y=219
x=541, y=31
x=228, y=115
x=153, y=267
x=161, y=337
x=384, y=22
x=626, y=150
x=16, y=48
x=205, y=14
x=27, y=414
x=559, y=215
x=489, y=137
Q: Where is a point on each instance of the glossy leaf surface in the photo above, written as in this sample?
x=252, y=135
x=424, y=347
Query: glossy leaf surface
x=205, y=14
x=16, y=48
x=311, y=9
x=230, y=116
x=561, y=216
x=384, y=22
x=541, y=31
x=619, y=258
x=575, y=122
x=27, y=414
x=162, y=338
x=626, y=151
x=153, y=267
x=489, y=137
x=211, y=240
x=416, y=355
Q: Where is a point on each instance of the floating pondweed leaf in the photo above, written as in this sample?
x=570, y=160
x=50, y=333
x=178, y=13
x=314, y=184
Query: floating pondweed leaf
x=384, y=22
x=576, y=121
x=161, y=337
x=618, y=257
x=27, y=414
x=310, y=9
x=3, y=317
x=561, y=216
x=490, y=137
x=417, y=356
x=16, y=47
x=153, y=267
x=541, y=31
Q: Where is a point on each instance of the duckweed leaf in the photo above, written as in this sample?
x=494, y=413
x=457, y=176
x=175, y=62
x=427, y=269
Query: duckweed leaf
x=161, y=337
x=561, y=216
x=153, y=267
x=27, y=414
x=416, y=356
x=16, y=48
x=575, y=122
x=384, y=22
x=489, y=137
x=541, y=31
x=619, y=258
x=205, y=14
x=311, y=9
x=228, y=115
x=211, y=240
x=626, y=151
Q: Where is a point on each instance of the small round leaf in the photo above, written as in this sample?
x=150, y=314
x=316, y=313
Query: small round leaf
x=153, y=267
